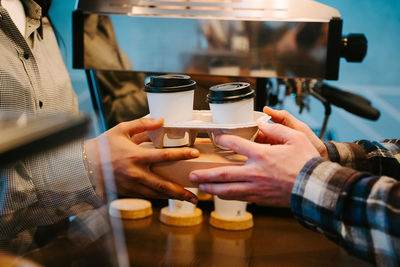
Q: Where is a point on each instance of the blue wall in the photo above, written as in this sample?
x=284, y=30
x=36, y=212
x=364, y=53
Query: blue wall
x=380, y=22
x=375, y=78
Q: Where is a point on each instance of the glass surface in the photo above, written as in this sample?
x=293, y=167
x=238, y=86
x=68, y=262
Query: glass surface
x=49, y=221
x=207, y=47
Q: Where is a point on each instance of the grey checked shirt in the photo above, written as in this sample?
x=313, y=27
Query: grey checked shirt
x=52, y=185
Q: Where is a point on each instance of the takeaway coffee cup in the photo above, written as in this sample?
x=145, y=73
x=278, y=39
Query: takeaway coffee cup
x=231, y=103
x=183, y=207
x=229, y=209
x=171, y=97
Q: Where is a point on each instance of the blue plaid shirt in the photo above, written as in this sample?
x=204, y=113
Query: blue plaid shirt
x=354, y=199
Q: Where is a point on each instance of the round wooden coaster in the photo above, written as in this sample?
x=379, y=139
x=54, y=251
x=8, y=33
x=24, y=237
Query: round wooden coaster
x=181, y=219
x=130, y=208
x=236, y=224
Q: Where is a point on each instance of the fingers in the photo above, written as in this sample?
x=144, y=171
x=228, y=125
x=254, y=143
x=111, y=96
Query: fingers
x=140, y=138
x=168, y=154
x=277, y=133
x=285, y=118
x=172, y=190
x=219, y=174
x=233, y=191
x=282, y=117
x=260, y=137
x=134, y=189
x=277, y=116
x=237, y=144
x=140, y=125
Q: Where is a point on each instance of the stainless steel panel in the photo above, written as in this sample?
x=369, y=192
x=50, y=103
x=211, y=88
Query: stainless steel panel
x=254, y=38
x=282, y=10
x=216, y=47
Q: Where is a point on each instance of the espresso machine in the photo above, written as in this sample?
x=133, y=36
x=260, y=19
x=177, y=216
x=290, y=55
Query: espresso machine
x=295, y=44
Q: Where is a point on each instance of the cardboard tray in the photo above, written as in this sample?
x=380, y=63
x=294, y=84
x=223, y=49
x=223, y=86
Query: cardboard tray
x=202, y=123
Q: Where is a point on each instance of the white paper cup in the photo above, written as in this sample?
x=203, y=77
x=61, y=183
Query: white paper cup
x=171, y=97
x=233, y=112
x=173, y=107
x=229, y=209
x=184, y=207
x=231, y=103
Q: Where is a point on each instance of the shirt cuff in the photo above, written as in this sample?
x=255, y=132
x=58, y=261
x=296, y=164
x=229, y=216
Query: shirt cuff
x=351, y=155
x=73, y=180
x=316, y=194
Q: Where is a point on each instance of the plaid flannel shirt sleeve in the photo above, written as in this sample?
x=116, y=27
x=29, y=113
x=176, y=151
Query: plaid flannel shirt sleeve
x=354, y=199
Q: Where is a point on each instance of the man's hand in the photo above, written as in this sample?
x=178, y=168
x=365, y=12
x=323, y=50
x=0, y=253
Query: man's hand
x=285, y=118
x=121, y=156
x=270, y=172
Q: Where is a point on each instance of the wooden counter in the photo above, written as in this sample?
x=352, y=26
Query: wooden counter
x=276, y=240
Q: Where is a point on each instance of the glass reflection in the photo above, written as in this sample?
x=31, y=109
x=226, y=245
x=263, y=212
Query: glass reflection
x=215, y=47
x=230, y=248
x=180, y=245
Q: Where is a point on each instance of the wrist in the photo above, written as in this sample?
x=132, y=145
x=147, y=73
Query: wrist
x=93, y=169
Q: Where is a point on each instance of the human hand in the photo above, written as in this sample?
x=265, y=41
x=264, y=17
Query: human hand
x=117, y=154
x=268, y=175
x=285, y=118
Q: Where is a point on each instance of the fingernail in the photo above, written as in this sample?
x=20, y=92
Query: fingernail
x=158, y=120
x=194, y=153
x=202, y=187
x=193, y=177
x=194, y=200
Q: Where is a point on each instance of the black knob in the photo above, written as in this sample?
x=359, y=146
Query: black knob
x=354, y=47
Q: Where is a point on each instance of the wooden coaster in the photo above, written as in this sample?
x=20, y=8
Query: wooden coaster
x=181, y=219
x=235, y=224
x=130, y=208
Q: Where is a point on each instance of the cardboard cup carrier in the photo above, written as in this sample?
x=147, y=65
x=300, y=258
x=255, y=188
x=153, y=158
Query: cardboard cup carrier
x=232, y=111
x=238, y=119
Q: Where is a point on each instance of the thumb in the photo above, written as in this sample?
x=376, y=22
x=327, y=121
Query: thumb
x=277, y=133
x=141, y=125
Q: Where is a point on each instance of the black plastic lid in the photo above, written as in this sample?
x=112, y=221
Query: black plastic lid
x=170, y=83
x=230, y=92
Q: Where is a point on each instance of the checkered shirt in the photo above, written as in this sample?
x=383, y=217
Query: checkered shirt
x=51, y=185
x=354, y=199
